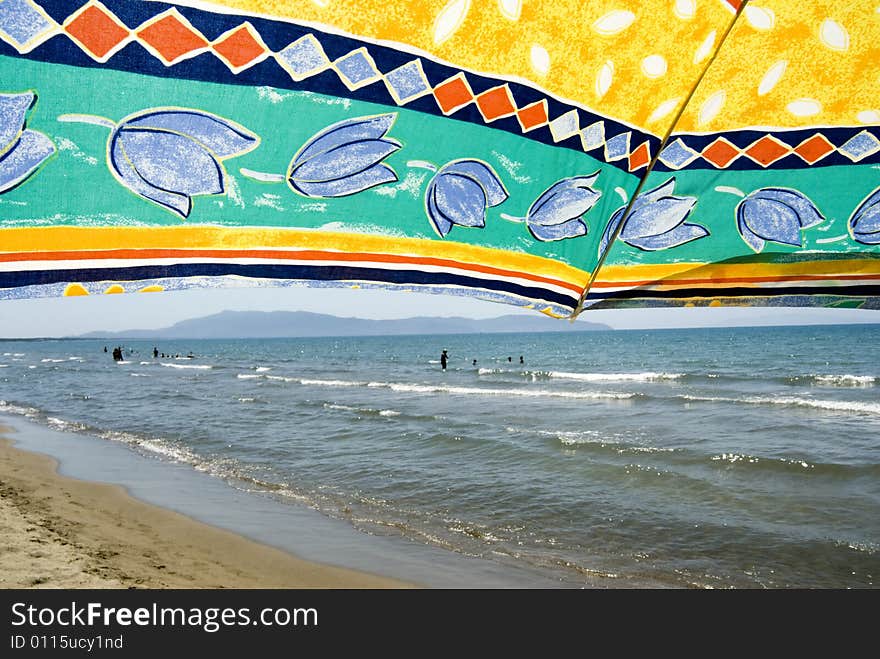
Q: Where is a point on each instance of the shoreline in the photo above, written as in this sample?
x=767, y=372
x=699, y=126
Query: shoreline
x=62, y=532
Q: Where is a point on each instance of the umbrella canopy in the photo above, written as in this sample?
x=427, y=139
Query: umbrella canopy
x=557, y=155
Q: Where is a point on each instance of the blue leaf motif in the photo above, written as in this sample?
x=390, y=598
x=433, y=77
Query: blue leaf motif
x=22, y=151
x=557, y=213
x=460, y=193
x=571, y=229
x=777, y=215
x=344, y=158
x=864, y=223
x=610, y=229
x=656, y=221
x=170, y=156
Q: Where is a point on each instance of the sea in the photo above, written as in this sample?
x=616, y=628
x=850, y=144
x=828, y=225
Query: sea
x=709, y=458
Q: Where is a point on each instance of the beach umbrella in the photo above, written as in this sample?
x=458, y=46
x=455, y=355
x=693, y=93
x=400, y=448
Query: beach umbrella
x=555, y=155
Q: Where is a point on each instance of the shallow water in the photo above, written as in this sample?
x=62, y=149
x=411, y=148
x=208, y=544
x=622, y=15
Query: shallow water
x=740, y=457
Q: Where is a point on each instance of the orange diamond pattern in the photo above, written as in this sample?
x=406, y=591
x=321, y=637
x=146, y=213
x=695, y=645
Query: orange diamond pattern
x=453, y=94
x=171, y=38
x=532, y=116
x=97, y=31
x=814, y=149
x=721, y=153
x=496, y=103
x=767, y=150
x=640, y=157
x=239, y=48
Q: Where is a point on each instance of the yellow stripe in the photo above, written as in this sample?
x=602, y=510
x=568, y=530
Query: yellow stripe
x=657, y=273
x=50, y=239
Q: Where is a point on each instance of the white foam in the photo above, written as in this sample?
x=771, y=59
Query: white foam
x=61, y=424
x=444, y=389
x=248, y=376
x=16, y=409
x=831, y=405
x=246, y=400
x=845, y=380
x=575, y=437
x=139, y=375
x=53, y=361
x=124, y=362
x=263, y=369
x=480, y=391
x=332, y=383
x=648, y=376
x=362, y=410
x=146, y=363
x=334, y=406
x=200, y=367
x=4, y=365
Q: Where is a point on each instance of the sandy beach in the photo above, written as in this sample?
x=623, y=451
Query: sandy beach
x=59, y=532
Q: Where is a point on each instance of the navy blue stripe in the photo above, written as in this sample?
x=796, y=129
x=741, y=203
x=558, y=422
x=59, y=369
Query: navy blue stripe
x=742, y=139
x=855, y=290
x=298, y=272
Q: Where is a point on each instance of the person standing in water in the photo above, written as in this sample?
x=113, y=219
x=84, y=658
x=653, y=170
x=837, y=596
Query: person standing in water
x=521, y=360
x=443, y=359
x=155, y=352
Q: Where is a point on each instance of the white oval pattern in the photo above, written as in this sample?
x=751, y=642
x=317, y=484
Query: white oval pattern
x=614, y=22
x=774, y=75
x=834, y=35
x=450, y=19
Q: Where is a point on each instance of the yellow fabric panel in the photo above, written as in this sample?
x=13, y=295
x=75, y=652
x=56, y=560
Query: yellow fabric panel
x=563, y=46
x=826, y=53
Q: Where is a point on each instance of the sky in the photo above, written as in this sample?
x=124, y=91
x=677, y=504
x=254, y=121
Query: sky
x=72, y=316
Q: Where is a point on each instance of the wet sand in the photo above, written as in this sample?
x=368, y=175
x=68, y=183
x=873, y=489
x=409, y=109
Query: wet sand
x=59, y=532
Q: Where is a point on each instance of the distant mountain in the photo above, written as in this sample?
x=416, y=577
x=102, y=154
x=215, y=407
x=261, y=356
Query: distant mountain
x=272, y=324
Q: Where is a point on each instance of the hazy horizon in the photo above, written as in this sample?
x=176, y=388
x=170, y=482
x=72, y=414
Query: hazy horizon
x=73, y=316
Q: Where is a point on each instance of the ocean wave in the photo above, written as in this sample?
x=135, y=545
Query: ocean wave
x=361, y=410
x=153, y=445
x=648, y=376
x=865, y=547
x=734, y=458
x=481, y=391
x=845, y=380
x=201, y=367
x=52, y=361
x=139, y=375
x=60, y=424
x=263, y=369
x=22, y=410
x=794, y=401
x=468, y=391
x=619, y=443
